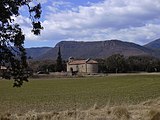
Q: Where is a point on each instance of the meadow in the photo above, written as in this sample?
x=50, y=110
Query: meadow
x=59, y=94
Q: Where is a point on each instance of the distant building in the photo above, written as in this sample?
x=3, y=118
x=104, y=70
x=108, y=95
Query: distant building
x=3, y=69
x=82, y=66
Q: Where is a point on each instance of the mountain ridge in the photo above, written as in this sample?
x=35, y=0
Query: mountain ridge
x=94, y=49
x=154, y=44
x=36, y=52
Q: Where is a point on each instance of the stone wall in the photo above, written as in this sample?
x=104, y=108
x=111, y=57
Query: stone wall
x=83, y=68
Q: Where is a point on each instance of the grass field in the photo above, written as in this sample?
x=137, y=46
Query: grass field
x=60, y=94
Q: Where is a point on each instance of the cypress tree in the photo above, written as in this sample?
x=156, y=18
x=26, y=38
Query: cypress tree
x=59, y=66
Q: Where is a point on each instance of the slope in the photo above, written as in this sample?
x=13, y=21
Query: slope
x=97, y=49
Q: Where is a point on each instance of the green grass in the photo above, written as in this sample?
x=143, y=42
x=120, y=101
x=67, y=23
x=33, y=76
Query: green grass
x=67, y=93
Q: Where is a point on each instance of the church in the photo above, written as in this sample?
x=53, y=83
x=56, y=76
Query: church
x=82, y=66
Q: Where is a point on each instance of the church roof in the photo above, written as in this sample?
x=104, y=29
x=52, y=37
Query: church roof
x=77, y=62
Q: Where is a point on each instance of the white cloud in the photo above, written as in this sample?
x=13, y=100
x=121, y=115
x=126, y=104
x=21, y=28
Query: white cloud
x=134, y=21
x=138, y=35
x=42, y=1
x=59, y=6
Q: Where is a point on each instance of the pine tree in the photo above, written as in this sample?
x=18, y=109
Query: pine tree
x=59, y=65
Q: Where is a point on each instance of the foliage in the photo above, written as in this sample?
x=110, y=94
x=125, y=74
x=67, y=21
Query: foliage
x=12, y=52
x=45, y=65
x=119, y=63
x=143, y=63
x=116, y=63
x=102, y=67
x=59, y=66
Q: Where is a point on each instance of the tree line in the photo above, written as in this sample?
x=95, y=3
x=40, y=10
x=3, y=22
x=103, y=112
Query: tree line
x=118, y=63
x=46, y=66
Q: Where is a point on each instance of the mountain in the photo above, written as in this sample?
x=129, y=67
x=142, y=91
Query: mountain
x=37, y=51
x=97, y=49
x=154, y=44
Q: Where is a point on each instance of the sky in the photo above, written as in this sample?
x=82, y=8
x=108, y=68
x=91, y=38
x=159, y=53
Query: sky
x=135, y=21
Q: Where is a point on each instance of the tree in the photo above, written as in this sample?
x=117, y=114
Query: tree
x=116, y=63
x=142, y=63
x=102, y=68
x=59, y=65
x=12, y=51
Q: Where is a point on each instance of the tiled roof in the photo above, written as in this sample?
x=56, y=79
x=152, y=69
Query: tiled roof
x=77, y=62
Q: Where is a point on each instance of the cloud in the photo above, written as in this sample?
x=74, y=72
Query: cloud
x=59, y=6
x=134, y=21
x=42, y=1
x=138, y=35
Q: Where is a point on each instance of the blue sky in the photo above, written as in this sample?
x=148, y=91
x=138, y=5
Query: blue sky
x=94, y=20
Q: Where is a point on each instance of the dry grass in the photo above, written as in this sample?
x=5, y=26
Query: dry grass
x=149, y=110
